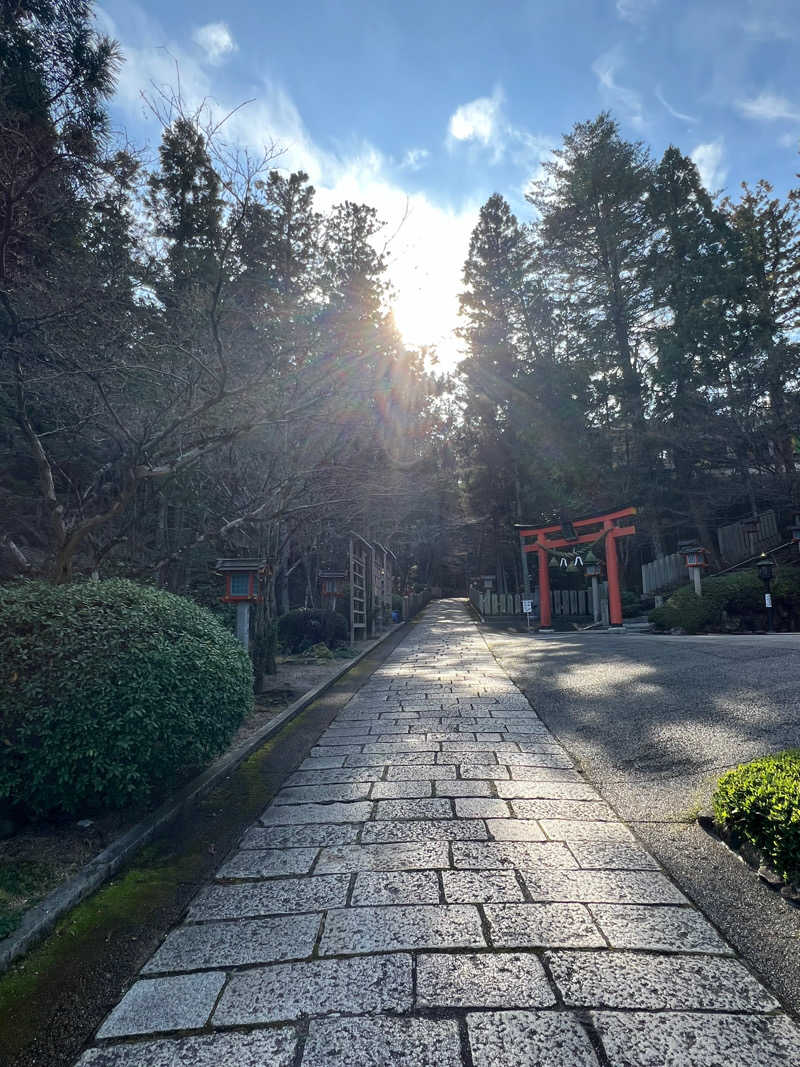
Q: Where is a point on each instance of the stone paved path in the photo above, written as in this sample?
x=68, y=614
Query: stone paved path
x=437, y=886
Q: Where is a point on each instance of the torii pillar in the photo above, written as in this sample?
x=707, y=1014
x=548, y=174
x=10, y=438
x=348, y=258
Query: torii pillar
x=545, y=615
x=582, y=532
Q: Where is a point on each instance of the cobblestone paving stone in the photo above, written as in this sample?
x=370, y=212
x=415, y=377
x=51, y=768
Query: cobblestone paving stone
x=436, y=884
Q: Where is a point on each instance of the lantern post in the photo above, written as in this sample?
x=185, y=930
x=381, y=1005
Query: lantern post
x=593, y=570
x=696, y=558
x=242, y=588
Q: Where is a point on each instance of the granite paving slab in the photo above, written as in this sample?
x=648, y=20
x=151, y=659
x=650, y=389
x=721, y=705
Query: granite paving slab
x=284, y=895
x=268, y=863
x=529, y=1039
x=684, y=1039
x=308, y=836
x=482, y=981
x=382, y=1041
x=542, y=926
x=518, y=854
x=394, y=856
x=287, y=991
x=154, y=1005
x=292, y=814
x=425, y=830
x=395, y=887
x=657, y=929
x=626, y=887
x=320, y=794
x=533, y=790
x=413, y=809
x=481, y=887
x=666, y=982
x=386, y=929
x=192, y=948
x=275, y=1047
x=401, y=790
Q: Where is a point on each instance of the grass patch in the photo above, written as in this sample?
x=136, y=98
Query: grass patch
x=760, y=802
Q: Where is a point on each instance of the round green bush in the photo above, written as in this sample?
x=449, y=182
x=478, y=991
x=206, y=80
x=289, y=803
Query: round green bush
x=107, y=690
x=760, y=801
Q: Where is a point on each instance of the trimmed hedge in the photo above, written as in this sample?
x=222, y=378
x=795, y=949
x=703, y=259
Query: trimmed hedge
x=303, y=628
x=107, y=690
x=760, y=801
x=740, y=594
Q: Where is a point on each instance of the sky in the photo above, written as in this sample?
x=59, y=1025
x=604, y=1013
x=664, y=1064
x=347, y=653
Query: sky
x=424, y=108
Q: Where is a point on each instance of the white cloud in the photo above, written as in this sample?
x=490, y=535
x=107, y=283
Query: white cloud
x=767, y=107
x=216, y=41
x=708, y=158
x=415, y=159
x=481, y=122
x=635, y=10
x=605, y=68
x=673, y=111
x=788, y=140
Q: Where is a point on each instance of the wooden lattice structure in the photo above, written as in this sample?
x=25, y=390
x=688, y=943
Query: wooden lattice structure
x=361, y=565
x=384, y=584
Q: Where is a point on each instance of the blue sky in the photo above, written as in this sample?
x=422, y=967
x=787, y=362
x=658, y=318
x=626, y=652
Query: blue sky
x=426, y=108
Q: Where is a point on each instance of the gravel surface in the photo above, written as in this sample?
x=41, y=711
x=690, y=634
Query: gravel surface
x=654, y=721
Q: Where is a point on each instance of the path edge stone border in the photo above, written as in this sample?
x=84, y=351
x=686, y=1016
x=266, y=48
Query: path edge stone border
x=42, y=917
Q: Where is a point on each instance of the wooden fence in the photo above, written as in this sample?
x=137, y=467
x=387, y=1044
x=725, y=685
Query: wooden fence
x=736, y=543
x=664, y=573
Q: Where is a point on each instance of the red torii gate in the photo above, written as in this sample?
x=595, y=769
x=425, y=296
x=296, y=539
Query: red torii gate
x=586, y=531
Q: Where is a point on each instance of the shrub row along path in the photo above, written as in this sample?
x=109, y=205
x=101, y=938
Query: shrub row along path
x=438, y=885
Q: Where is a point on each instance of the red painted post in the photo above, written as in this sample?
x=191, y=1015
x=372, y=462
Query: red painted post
x=612, y=571
x=545, y=617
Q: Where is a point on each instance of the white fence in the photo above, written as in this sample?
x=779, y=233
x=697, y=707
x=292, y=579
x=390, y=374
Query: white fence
x=563, y=602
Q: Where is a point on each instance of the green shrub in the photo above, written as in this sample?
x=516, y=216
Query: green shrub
x=760, y=801
x=685, y=610
x=301, y=629
x=740, y=594
x=107, y=690
x=631, y=603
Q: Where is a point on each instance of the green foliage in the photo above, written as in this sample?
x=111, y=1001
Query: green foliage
x=631, y=603
x=760, y=801
x=108, y=690
x=301, y=629
x=739, y=594
x=319, y=651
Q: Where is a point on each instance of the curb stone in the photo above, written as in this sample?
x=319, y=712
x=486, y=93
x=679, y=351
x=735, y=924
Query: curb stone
x=39, y=920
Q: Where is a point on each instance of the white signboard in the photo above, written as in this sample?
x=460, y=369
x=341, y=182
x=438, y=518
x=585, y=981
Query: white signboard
x=527, y=606
x=768, y=599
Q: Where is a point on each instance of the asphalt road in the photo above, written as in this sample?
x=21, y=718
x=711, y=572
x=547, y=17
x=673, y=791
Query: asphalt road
x=653, y=722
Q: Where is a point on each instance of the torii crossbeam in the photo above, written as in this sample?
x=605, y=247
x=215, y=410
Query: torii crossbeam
x=610, y=526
